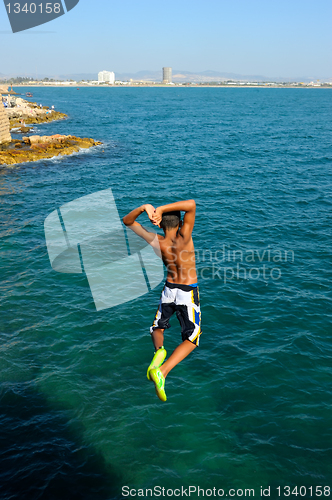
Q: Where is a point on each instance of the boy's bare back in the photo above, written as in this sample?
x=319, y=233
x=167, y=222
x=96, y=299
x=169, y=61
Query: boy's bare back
x=179, y=258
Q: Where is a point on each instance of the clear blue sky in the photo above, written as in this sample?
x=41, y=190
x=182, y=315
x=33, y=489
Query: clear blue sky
x=289, y=38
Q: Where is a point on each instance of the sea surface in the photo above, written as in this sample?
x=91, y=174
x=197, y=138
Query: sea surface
x=251, y=407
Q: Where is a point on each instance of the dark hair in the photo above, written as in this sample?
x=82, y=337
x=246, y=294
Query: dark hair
x=170, y=220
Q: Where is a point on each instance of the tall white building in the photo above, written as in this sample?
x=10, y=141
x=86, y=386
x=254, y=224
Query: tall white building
x=106, y=77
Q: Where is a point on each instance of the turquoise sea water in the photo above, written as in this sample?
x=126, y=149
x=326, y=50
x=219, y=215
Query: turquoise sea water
x=251, y=407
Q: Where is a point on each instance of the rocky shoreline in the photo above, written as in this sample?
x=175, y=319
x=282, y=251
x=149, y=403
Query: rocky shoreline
x=30, y=113
x=22, y=113
x=19, y=115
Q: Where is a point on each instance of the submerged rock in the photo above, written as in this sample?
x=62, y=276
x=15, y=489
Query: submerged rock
x=20, y=130
x=37, y=147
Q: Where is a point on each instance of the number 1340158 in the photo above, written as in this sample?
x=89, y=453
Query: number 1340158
x=34, y=8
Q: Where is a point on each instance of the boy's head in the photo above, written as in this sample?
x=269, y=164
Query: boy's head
x=170, y=220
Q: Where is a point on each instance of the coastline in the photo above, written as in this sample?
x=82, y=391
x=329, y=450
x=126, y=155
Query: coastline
x=21, y=113
x=177, y=86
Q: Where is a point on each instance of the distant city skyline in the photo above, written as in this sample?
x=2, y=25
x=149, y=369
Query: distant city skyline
x=284, y=39
x=158, y=76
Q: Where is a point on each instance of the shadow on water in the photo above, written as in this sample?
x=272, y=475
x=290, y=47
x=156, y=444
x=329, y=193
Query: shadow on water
x=43, y=457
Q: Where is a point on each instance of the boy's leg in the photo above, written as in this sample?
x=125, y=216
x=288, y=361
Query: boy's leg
x=178, y=355
x=158, y=338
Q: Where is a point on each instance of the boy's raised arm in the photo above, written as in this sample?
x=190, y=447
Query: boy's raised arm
x=130, y=221
x=130, y=218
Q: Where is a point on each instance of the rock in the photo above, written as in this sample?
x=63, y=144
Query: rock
x=31, y=113
x=34, y=139
x=37, y=147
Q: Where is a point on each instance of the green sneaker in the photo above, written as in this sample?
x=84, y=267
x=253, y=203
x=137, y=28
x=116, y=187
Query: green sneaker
x=159, y=381
x=157, y=360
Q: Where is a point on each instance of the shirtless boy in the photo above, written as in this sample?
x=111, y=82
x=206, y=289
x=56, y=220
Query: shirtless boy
x=180, y=293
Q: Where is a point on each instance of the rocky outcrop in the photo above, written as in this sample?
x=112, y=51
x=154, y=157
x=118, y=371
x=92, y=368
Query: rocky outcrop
x=37, y=147
x=30, y=113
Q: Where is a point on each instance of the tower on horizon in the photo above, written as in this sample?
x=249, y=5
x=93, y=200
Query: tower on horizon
x=167, y=75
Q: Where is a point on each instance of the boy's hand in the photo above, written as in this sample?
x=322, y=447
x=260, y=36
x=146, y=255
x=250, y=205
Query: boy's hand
x=157, y=216
x=130, y=218
x=150, y=210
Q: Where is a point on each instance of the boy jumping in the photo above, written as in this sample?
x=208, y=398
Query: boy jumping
x=180, y=293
